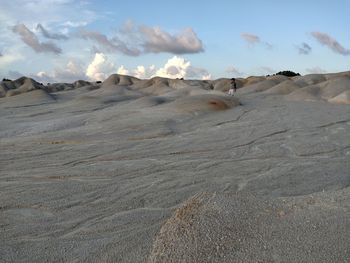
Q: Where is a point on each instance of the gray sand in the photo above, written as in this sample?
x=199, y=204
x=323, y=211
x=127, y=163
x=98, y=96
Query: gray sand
x=101, y=173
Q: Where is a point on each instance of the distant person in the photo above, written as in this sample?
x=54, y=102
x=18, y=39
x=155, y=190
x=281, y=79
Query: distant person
x=233, y=87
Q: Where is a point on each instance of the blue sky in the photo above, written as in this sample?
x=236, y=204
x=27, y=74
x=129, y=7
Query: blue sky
x=66, y=40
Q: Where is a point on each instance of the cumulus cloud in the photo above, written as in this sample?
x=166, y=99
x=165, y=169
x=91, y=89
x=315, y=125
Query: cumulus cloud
x=100, y=68
x=49, y=35
x=29, y=38
x=143, y=72
x=331, y=43
x=252, y=40
x=316, y=70
x=304, y=49
x=122, y=70
x=70, y=72
x=109, y=45
x=136, y=40
x=177, y=67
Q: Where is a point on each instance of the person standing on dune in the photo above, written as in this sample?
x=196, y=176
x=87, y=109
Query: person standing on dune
x=233, y=87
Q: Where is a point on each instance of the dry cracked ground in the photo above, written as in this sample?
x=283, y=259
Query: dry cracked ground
x=166, y=170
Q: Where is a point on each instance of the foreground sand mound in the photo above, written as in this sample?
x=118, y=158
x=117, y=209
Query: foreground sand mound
x=35, y=97
x=19, y=86
x=204, y=102
x=325, y=90
x=283, y=88
x=239, y=227
x=334, y=87
x=342, y=98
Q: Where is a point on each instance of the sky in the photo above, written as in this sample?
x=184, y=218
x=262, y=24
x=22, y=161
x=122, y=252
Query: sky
x=66, y=40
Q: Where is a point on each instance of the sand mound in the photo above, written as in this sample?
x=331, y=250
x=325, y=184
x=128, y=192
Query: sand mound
x=342, y=98
x=282, y=88
x=309, y=93
x=310, y=79
x=204, y=102
x=153, y=86
x=325, y=90
x=116, y=79
x=241, y=228
x=35, y=97
x=337, y=75
x=81, y=83
x=252, y=80
x=261, y=86
x=334, y=87
x=19, y=86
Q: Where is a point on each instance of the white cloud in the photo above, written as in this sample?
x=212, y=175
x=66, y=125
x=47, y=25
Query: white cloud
x=71, y=72
x=142, y=72
x=176, y=67
x=122, y=70
x=74, y=23
x=100, y=68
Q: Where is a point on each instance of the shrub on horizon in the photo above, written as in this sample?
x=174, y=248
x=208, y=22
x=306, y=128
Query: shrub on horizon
x=288, y=73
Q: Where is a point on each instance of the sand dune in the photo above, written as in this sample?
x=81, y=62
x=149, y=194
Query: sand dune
x=175, y=170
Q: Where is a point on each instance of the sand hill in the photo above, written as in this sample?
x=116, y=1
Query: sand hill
x=175, y=170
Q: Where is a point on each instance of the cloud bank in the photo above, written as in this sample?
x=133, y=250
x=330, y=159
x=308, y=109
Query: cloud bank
x=30, y=39
x=134, y=40
x=99, y=68
x=331, y=43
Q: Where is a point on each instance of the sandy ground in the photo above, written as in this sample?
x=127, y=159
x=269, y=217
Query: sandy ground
x=176, y=171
